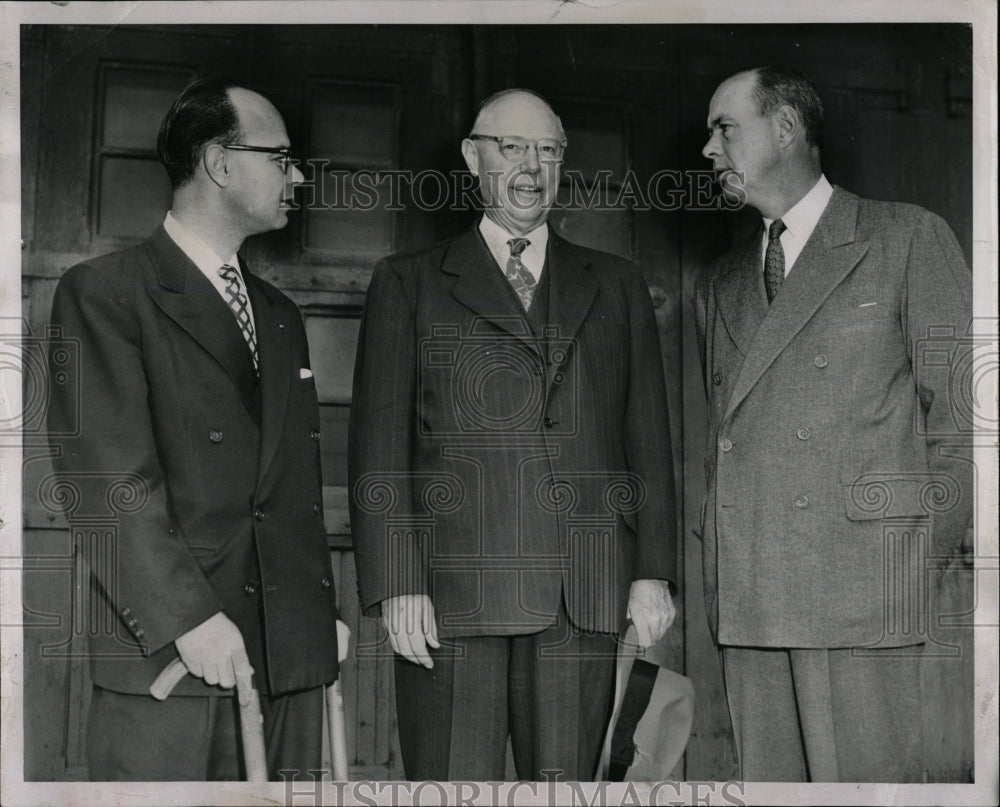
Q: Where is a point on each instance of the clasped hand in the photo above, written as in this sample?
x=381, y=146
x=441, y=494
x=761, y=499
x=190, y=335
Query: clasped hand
x=214, y=651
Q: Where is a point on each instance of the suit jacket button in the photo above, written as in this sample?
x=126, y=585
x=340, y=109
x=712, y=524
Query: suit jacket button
x=717, y=379
x=802, y=502
x=326, y=583
x=314, y=434
x=215, y=435
x=547, y=423
x=139, y=633
x=802, y=434
x=821, y=361
x=726, y=445
x=258, y=514
x=249, y=589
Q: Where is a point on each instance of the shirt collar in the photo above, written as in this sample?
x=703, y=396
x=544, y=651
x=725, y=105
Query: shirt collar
x=496, y=238
x=200, y=253
x=802, y=217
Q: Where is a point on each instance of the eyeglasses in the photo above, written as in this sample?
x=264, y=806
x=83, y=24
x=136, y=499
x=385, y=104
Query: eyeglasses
x=514, y=148
x=284, y=152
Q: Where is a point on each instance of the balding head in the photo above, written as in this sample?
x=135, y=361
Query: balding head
x=518, y=110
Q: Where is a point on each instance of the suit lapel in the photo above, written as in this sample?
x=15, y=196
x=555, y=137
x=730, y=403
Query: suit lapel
x=274, y=353
x=572, y=287
x=828, y=257
x=740, y=295
x=482, y=287
x=186, y=296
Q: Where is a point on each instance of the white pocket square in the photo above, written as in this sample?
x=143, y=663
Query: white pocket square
x=305, y=372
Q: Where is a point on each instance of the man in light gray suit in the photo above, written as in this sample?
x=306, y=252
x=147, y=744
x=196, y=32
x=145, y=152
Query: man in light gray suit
x=832, y=467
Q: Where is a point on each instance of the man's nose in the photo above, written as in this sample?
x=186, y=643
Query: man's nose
x=295, y=175
x=712, y=149
x=529, y=161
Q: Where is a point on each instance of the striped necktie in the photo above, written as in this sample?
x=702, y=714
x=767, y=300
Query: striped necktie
x=240, y=307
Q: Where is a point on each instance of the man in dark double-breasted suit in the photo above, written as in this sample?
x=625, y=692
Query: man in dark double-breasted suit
x=194, y=424
x=830, y=343
x=510, y=471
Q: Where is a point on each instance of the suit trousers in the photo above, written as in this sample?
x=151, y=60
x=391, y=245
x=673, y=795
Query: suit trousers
x=825, y=715
x=549, y=691
x=138, y=738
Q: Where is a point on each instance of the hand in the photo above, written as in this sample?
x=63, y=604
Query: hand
x=215, y=652
x=343, y=641
x=409, y=619
x=651, y=609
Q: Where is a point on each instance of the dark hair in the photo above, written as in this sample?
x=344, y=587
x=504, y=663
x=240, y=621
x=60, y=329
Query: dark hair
x=778, y=85
x=201, y=115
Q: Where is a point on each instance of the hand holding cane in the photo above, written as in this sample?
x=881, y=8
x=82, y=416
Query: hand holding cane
x=251, y=718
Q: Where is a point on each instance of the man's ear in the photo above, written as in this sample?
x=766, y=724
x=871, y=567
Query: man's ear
x=789, y=125
x=216, y=164
x=471, y=155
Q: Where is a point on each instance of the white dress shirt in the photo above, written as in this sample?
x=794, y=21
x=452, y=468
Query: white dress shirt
x=207, y=261
x=800, y=221
x=533, y=257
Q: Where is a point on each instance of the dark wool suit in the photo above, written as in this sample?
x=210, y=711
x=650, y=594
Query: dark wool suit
x=218, y=503
x=834, y=468
x=517, y=470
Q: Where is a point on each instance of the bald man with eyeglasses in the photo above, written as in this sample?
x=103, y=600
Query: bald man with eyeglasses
x=512, y=494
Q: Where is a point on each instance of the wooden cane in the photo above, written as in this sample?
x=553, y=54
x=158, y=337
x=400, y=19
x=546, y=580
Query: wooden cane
x=335, y=711
x=251, y=717
x=338, y=731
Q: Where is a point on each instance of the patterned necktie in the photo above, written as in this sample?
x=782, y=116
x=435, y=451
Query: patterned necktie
x=774, y=259
x=520, y=278
x=241, y=309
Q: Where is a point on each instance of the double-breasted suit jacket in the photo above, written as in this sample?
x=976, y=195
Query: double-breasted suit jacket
x=503, y=464
x=833, y=425
x=218, y=503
